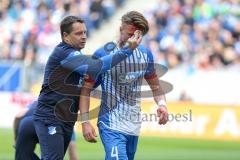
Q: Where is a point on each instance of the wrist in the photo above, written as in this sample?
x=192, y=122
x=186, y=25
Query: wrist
x=162, y=103
x=84, y=117
x=127, y=44
x=85, y=122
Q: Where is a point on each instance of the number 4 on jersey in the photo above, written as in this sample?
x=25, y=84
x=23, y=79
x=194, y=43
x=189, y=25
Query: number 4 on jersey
x=114, y=152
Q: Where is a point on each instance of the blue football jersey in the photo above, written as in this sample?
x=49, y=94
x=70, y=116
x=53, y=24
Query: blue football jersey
x=121, y=90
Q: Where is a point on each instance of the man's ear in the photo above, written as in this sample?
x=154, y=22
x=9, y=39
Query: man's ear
x=65, y=37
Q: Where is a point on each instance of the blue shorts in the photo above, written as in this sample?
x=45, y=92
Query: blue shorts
x=117, y=145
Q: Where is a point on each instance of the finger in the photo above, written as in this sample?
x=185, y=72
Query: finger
x=161, y=116
x=161, y=120
x=87, y=137
x=139, y=36
x=137, y=33
x=139, y=39
x=134, y=37
x=159, y=112
x=84, y=135
x=164, y=118
x=164, y=122
x=92, y=138
x=94, y=133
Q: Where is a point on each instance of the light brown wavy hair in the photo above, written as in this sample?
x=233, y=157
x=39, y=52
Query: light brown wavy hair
x=137, y=19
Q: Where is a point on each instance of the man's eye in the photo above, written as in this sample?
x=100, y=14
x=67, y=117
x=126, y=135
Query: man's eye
x=81, y=33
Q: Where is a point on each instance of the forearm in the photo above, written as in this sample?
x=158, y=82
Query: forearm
x=157, y=91
x=112, y=60
x=107, y=62
x=160, y=99
x=84, y=101
x=88, y=131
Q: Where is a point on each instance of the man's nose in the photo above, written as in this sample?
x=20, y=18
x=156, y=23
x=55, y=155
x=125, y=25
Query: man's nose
x=84, y=36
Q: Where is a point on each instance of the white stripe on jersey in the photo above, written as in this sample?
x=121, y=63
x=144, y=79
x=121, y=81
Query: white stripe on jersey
x=122, y=82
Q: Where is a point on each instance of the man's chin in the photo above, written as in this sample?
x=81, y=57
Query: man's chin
x=81, y=47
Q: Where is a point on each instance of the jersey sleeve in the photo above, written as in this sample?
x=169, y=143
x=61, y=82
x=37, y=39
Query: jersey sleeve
x=93, y=67
x=150, y=71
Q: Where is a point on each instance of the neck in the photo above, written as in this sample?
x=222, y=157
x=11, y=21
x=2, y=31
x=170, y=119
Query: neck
x=79, y=49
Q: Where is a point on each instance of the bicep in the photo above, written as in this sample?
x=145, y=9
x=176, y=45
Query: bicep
x=150, y=70
x=150, y=67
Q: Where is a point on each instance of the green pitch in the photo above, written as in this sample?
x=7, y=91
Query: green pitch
x=148, y=149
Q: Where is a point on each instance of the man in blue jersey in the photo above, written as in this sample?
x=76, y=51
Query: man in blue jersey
x=58, y=102
x=118, y=122
x=25, y=136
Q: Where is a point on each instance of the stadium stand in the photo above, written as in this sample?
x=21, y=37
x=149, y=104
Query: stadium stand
x=184, y=34
x=201, y=33
x=29, y=29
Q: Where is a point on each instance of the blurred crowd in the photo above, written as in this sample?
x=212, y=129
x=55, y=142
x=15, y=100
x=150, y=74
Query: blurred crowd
x=199, y=34
x=202, y=33
x=30, y=28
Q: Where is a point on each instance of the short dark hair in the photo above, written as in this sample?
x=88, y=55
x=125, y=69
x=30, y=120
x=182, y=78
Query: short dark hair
x=137, y=19
x=66, y=24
